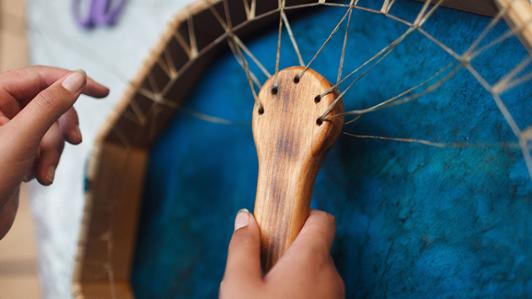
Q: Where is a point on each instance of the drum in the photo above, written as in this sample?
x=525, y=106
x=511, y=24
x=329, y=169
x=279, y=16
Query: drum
x=430, y=179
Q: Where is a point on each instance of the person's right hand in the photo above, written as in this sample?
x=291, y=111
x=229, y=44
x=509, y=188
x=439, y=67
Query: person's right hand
x=305, y=271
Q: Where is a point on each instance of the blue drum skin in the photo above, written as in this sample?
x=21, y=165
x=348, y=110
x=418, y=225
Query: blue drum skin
x=413, y=221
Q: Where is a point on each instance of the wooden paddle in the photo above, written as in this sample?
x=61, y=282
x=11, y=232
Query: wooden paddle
x=291, y=141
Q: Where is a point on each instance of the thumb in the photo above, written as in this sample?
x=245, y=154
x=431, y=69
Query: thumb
x=243, y=259
x=46, y=108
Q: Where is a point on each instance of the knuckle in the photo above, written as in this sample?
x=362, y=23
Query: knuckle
x=316, y=253
x=46, y=99
x=331, y=218
x=320, y=248
x=53, y=98
x=325, y=217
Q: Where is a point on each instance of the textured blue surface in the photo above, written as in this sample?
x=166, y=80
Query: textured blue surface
x=413, y=221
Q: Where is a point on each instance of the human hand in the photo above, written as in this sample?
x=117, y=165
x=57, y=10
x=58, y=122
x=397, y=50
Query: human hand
x=305, y=271
x=36, y=118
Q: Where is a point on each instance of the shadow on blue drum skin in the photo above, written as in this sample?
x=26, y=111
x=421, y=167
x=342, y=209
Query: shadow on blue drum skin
x=413, y=221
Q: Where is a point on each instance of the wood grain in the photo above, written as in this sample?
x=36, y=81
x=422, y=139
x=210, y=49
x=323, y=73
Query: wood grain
x=290, y=147
x=519, y=17
x=105, y=255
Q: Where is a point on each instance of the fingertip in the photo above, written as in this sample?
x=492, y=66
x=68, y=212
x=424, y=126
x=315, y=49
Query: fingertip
x=69, y=124
x=50, y=174
x=51, y=148
x=322, y=218
x=103, y=91
x=320, y=227
x=245, y=227
x=75, y=81
x=74, y=137
x=46, y=175
x=243, y=257
x=243, y=219
x=95, y=89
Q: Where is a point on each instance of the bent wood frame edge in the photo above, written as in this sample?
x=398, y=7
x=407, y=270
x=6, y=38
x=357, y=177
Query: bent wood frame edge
x=116, y=169
x=112, y=199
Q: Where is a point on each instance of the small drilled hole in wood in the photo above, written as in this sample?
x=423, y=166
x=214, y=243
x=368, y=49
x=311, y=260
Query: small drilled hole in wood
x=319, y=121
x=261, y=110
x=296, y=79
x=317, y=99
x=275, y=89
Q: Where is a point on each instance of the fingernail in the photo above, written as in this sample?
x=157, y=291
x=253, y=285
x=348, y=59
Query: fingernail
x=75, y=81
x=51, y=174
x=242, y=219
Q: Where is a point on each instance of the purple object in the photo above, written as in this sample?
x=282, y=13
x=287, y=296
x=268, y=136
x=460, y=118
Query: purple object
x=100, y=12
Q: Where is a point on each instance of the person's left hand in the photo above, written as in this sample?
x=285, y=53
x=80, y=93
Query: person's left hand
x=36, y=118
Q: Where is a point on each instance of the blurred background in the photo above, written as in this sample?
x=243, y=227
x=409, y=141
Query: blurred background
x=36, y=257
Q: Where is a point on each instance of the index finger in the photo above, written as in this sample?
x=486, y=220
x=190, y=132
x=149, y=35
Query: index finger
x=319, y=231
x=311, y=246
x=24, y=84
